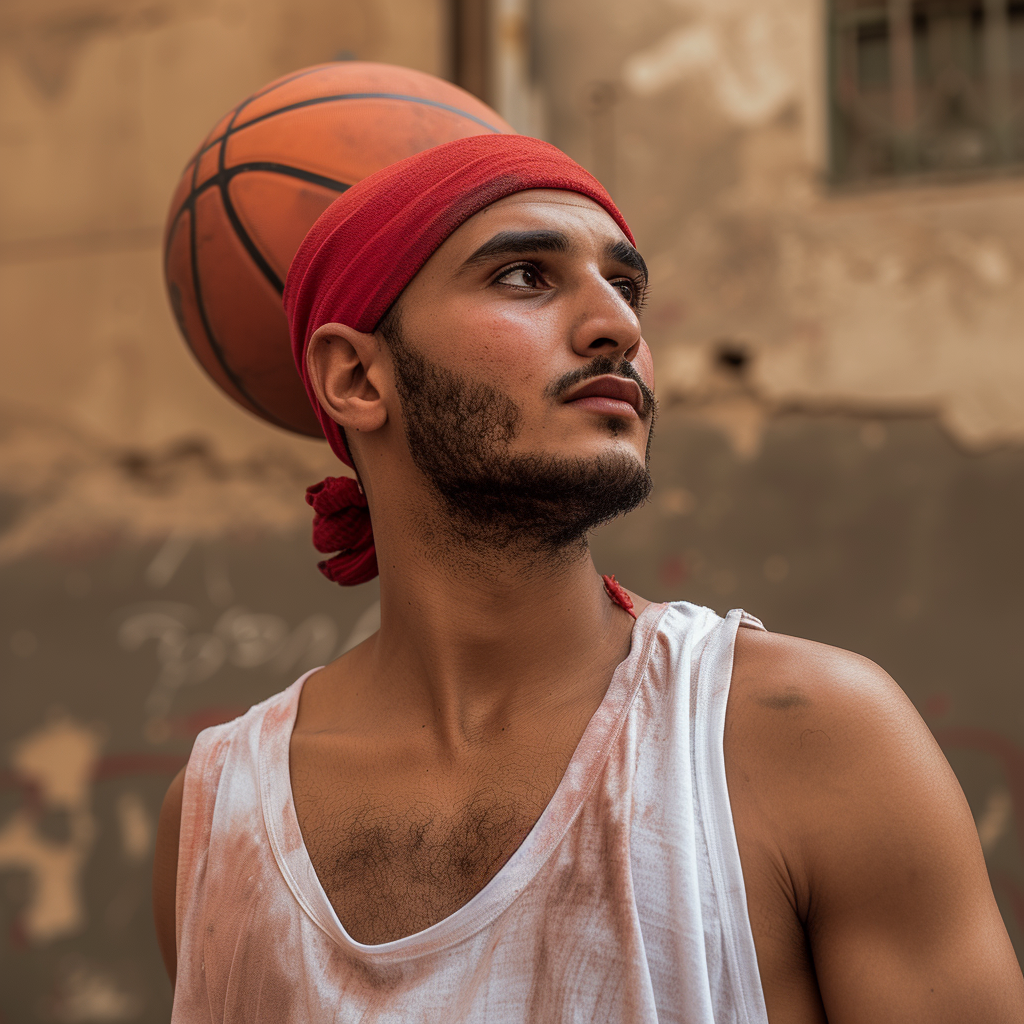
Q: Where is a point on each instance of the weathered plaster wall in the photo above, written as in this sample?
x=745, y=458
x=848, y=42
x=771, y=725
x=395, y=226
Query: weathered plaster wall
x=709, y=118
x=112, y=660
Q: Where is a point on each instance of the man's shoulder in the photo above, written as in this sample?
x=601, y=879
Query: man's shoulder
x=797, y=702
x=856, y=837
x=832, y=772
x=821, y=742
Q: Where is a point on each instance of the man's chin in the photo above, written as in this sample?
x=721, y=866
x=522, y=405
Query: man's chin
x=541, y=500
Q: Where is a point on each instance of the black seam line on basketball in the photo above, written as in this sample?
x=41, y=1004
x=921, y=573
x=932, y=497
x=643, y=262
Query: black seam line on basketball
x=201, y=306
x=188, y=203
x=210, y=336
x=231, y=130
x=262, y=263
x=259, y=94
x=268, y=89
x=224, y=180
x=314, y=100
x=215, y=346
x=207, y=143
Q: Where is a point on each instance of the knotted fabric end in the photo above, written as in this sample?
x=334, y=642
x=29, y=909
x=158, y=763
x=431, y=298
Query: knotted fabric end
x=618, y=595
x=342, y=523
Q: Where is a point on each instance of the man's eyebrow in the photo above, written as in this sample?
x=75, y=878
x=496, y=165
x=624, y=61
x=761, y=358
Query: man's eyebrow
x=519, y=243
x=623, y=252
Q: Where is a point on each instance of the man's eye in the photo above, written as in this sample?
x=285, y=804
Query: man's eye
x=521, y=277
x=628, y=290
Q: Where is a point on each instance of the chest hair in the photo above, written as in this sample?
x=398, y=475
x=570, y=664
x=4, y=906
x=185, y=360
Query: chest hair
x=391, y=871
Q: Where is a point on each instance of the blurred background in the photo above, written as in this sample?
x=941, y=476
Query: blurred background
x=828, y=194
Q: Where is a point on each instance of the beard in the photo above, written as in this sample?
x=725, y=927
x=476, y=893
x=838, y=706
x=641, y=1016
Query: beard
x=460, y=434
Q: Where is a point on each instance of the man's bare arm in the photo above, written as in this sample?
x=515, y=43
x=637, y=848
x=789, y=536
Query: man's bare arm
x=165, y=872
x=871, y=837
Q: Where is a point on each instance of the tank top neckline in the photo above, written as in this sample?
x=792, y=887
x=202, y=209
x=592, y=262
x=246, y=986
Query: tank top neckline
x=500, y=892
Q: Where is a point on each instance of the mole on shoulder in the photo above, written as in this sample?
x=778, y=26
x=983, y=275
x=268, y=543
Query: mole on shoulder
x=783, y=701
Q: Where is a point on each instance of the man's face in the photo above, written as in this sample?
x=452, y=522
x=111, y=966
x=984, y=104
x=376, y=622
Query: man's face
x=512, y=359
x=531, y=289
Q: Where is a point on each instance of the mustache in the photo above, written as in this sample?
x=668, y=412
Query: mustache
x=600, y=366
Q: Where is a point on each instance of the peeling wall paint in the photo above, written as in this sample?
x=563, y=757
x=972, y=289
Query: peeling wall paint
x=56, y=762
x=749, y=59
x=67, y=491
x=113, y=658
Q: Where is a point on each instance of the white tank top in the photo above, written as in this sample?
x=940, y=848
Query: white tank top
x=625, y=903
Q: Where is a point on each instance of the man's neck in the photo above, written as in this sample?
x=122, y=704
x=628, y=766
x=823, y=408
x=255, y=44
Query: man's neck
x=467, y=647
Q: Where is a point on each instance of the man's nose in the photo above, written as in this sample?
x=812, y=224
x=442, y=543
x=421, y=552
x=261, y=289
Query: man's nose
x=606, y=324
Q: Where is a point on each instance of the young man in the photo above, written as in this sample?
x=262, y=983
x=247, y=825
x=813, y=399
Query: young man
x=515, y=802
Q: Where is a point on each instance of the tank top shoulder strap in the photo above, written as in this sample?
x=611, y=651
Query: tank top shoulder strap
x=751, y=621
x=202, y=779
x=232, y=744
x=711, y=675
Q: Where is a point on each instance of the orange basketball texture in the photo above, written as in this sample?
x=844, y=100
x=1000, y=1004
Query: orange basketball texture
x=256, y=185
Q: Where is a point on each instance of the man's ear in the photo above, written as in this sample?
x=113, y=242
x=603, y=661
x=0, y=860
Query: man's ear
x=344, y=366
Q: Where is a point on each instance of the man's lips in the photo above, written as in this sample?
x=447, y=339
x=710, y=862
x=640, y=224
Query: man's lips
x=609, y=394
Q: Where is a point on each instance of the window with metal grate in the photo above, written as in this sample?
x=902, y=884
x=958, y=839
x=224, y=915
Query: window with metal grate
x=926, y=87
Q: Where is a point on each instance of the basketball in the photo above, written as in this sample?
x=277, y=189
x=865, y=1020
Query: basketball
x=255, y=186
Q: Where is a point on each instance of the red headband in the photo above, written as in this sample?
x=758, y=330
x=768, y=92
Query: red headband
x=363, y=251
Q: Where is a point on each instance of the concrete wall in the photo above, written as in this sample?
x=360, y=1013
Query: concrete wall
x=840, y=450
